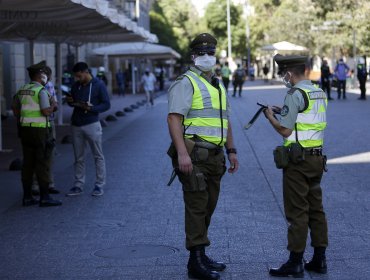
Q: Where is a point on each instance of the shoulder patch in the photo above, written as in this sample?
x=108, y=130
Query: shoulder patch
x=284, y=110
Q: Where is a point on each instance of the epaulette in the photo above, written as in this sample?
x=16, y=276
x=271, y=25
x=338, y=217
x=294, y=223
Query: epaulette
x=292, y=90
x=179, y=78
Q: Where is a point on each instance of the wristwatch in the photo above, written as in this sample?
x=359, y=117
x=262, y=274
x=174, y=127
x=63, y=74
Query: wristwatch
x=231, y=151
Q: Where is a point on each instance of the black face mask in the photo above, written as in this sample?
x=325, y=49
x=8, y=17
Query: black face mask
x=147, y=73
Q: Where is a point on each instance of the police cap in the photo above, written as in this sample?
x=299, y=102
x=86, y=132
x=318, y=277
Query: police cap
x=203, y=41
x=38, y=67
x=286, y=62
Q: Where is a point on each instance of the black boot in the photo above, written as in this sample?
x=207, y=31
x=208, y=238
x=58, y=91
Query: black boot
x=49, y=201
x=197, y=269
x=45, y=199
x=318, y=262
x=28, y=199
x=293, y=267
x=211, y=264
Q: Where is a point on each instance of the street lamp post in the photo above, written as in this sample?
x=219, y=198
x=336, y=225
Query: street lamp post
x=228, y=30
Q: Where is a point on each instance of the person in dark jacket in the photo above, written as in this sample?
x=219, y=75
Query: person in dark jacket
x=89, y=97
x=362, y=77
x=325, y=79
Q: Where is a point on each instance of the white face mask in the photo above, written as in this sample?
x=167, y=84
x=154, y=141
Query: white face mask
x=44, y=78
x=286, y=80
x=205, y=62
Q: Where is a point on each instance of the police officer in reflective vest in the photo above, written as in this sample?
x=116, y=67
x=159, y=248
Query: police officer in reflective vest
x=31, y=105
x=302, y=124
x=200, y=128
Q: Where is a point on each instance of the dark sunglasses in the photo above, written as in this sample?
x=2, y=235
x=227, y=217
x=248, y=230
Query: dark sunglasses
x=201, y=53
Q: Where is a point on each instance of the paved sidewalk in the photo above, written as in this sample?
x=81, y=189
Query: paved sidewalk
x=136, y=230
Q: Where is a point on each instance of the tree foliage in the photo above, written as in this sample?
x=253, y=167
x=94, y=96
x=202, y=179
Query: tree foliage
x=320, y=25
x=175, y=23
x=216, y=20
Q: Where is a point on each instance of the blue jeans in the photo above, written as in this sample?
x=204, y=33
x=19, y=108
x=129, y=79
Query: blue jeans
x=88, y=134
x=341, y=87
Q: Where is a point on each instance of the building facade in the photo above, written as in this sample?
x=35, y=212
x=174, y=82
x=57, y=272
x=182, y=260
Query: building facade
x=15, y=57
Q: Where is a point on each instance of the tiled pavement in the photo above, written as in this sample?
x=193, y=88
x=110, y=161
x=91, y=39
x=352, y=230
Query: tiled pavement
x=123, y=234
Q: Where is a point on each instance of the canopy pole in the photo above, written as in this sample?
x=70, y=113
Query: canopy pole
x=133, y=76
x=58, y=76
x=32, y=51
x=77, y=50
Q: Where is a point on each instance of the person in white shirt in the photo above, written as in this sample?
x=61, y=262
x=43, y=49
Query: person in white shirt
x=148, y=81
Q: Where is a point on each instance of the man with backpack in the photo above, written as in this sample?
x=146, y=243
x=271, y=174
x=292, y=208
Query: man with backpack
x=238, y=80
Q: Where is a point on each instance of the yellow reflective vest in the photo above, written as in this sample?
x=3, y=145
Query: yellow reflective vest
x=207, y=117
x=311, y=123
x=31, y=115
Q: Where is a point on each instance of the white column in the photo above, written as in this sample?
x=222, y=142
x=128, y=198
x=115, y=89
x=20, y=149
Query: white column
x=228, y=31
x=133, y=82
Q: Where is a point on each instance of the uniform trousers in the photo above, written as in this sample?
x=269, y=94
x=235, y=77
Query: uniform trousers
x=201, y=191
x=36, y=159
x=362, y=88
x=303, y=203
x=90, y=134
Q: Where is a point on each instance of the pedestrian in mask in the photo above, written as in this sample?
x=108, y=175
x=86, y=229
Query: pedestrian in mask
x=199, y=125
x=302, y=125
x=32, y=107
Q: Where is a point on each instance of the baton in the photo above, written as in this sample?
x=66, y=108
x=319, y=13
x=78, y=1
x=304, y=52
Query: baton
x=257, y=114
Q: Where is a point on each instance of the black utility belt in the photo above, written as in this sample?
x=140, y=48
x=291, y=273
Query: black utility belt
x=294, y=153
x=313, y=151
x=207, y=146
x=34, y=125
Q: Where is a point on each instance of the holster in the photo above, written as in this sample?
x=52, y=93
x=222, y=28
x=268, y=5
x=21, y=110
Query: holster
x=281, y=157
x=189, y=144
x=296, y=153
x=172, y=153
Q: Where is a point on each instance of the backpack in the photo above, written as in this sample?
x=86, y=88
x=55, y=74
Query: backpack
x=239, y=74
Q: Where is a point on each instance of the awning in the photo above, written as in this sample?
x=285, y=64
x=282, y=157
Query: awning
x=283, y=46
x=67, y=21
x=138, y=49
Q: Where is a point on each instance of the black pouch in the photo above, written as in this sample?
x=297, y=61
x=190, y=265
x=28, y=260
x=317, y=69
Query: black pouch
x=199, y=154
x=189, y=144
x=194, y=182
x=296, y=153
x=281, y=157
